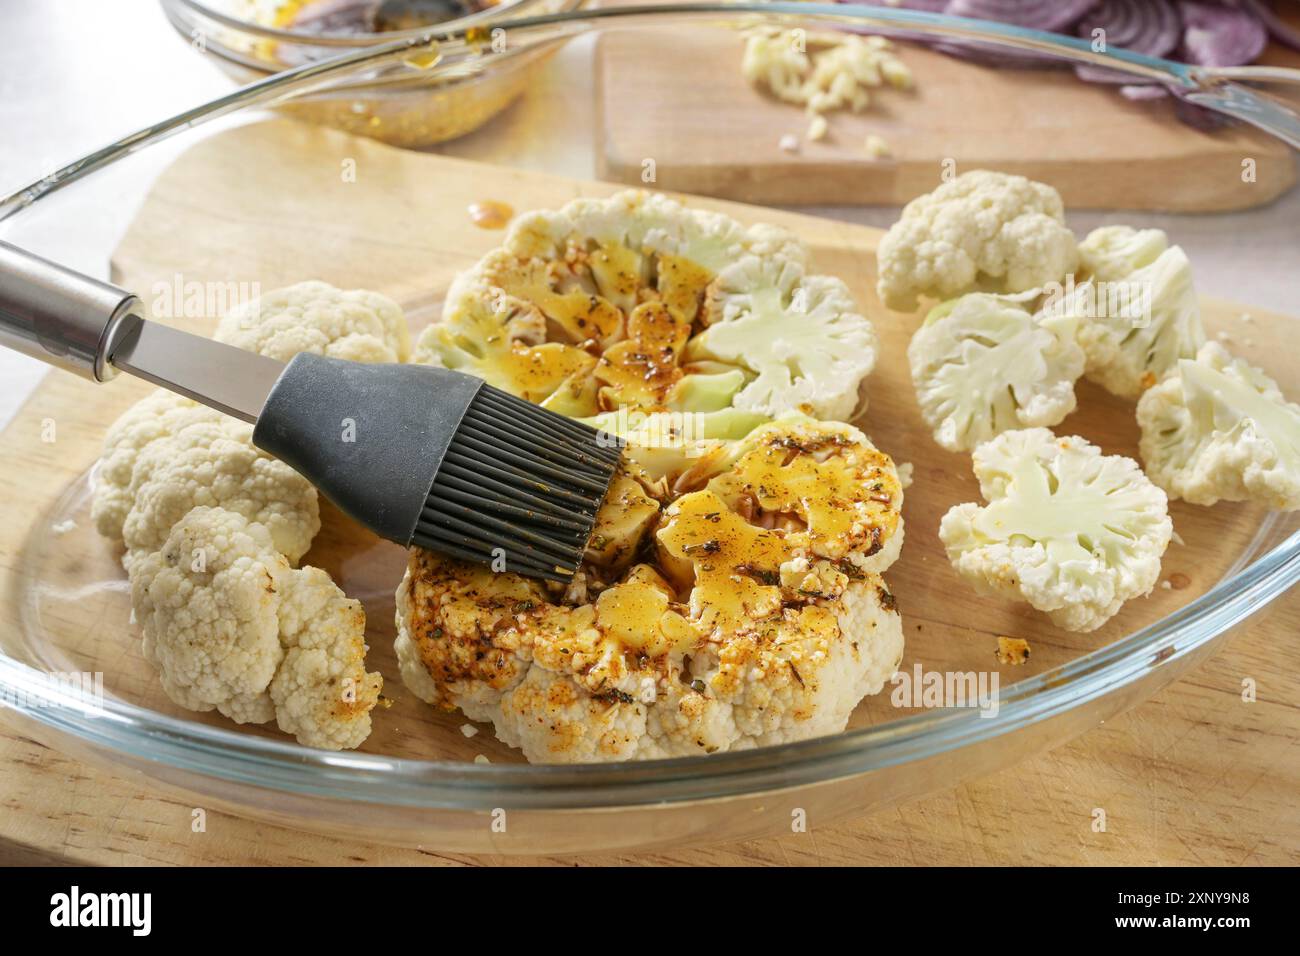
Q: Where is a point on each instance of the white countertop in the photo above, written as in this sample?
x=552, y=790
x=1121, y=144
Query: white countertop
x=75, y=74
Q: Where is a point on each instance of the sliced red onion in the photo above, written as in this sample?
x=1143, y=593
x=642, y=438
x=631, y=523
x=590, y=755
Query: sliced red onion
x=1143, y=91
x=1143, y=26
x=1217, y=35
x=1279, y=30
x=1054, y=16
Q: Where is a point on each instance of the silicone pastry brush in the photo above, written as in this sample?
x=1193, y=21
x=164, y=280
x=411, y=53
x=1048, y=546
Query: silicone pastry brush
x=422, y=456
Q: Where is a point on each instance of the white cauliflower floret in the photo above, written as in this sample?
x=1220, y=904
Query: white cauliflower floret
x=1073, y=532
x=315, y=317
x=1135, y=327
x=982, y=364
x=800, y=338
x=231, y=626
x=635, y=301
x=1219, y=429
x=227, y=472
x=158, y=416
x=207, y=602
x=321, y=691
x=1112, y=252
x=983, y=231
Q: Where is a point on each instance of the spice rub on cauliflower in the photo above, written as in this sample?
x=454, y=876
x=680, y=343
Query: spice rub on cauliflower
x=636, y=301
x=742, y=608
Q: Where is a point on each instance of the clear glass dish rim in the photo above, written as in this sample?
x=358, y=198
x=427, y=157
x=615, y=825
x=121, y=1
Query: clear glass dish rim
x=505, y=10
x=142, y=734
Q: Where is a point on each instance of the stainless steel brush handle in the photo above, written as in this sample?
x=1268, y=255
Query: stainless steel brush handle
x=61, y=317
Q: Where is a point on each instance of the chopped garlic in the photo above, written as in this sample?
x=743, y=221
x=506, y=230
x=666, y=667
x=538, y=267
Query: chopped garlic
x=817, y=127
x=790, y=143
x=876, y=147
x=822, y=71
x=469, y=730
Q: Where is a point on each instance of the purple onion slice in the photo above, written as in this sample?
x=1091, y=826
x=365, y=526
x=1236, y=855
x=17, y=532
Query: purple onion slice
x=1218, y=35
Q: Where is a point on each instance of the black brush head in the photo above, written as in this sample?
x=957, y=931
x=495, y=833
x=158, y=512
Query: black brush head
x=437, y=459
x=518, y=488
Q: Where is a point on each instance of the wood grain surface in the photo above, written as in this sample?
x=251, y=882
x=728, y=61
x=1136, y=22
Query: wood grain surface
x=1196, y=775
x=677, y=97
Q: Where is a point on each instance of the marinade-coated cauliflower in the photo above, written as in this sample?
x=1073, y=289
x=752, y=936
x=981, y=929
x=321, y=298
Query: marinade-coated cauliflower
x=1219, y=429
x=231, y=626
x=1071, y=531
x=1135, y=326
x=744, y=610
x=636, y=301
x=983, y=364
x=315, y=317
x=982, y=231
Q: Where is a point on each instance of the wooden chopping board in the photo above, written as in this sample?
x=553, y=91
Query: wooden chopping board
x=677, y=97
x=400, y=225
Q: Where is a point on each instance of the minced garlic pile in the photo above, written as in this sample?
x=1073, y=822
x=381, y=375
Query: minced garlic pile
x=823, y=72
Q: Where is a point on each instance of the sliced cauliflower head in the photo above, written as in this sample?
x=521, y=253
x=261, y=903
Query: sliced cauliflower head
x=982, y=364
x=1071, y=531
x=230, y=473
x=157, y=417
x=1219, y=429
x=1134, y=328
x=315, y=317
x=231, y=626
x=626, y=677
x=755, y=613
x=636, y=301
x=981, y=231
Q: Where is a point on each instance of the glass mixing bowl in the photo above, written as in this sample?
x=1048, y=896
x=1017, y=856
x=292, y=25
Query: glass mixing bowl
x=155, y=204
x=401, y=108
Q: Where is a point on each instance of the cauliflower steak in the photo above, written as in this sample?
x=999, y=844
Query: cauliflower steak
x=741, y=608
x=636, y=301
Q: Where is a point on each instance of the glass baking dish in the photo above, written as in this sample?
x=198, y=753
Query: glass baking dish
x=417, y=780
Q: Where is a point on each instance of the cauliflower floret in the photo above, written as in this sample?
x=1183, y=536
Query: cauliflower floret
x=231, y=626
x=1073, y=532
x=1134, y=328
x=207, y=602
x=800, y=338
x=982, y=231
x=226, y=472
x=1219, y=429
x=158, y=416
x=1112, y=252
x=321, y=691
x=983, y=364
x=635, y=301
x=315, y=317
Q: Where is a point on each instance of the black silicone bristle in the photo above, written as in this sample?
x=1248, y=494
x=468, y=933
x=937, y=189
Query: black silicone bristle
x=518, y=489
